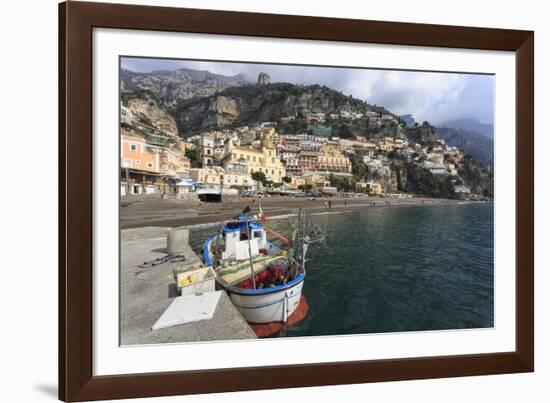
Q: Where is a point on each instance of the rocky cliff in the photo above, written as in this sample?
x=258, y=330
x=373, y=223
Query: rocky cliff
x=262, y=103
x=171, y=86
x=144, y=113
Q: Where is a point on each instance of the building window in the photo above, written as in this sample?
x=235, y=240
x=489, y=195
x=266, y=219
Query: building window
x=127, y=163
x=149, y=165
x=133, y=147
x=138, y=162
x=254, y=158
x=208, y=152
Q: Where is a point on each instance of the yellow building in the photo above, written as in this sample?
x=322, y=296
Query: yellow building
x=387, y=145
x=317, y=181
x=209, y=176
x=263, y=160
x=332, y=160
x=296, y=181
x=374, y=188
x=347, y=144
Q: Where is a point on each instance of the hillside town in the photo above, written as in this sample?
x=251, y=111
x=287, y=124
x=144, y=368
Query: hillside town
x=251, y=159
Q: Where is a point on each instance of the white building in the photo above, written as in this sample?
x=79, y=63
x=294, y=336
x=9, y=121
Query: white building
x=435, y=169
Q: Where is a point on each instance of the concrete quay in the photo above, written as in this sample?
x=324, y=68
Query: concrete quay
x=145, y=293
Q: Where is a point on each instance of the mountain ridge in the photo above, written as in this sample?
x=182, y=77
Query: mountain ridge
x=173, y=85
x=477, y=145
x=470, y=124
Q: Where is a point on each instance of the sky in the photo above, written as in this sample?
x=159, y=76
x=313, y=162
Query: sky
x=432, y=96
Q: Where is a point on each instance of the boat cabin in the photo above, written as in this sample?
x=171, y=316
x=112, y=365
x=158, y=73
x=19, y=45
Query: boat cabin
x=236, y=235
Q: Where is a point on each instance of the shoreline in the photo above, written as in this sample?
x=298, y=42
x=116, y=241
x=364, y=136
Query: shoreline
x=146, y=211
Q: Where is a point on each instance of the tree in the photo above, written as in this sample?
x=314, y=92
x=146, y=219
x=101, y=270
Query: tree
x=358, y=167
x=344, y=132
x=394, y=154
x=342, y=184
x=259, y=177
x=287, y=179
x=422, y=181
x=193, y=155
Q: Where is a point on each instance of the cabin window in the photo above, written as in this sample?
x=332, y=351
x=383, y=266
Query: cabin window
x=244, y=236
x=257, y=234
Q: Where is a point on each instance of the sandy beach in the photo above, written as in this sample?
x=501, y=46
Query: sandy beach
x=152, y=210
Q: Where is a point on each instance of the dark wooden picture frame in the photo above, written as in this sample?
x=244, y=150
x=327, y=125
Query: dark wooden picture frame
x=76, y=23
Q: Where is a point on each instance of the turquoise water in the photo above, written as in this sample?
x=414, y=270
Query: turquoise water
x=398, y=269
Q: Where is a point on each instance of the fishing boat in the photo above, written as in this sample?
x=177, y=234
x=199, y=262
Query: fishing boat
x=263, y=278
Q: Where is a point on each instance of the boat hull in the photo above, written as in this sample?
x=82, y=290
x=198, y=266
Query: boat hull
x=273, y=305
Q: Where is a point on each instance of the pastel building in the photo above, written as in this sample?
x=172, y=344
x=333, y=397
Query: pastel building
x=264, y=159
x=137, y=154
x=147, y=168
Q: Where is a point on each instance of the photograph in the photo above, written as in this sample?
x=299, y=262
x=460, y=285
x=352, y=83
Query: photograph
x=263, y=200
x=275, y=201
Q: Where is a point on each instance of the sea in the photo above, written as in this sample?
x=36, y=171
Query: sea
x=396, y=269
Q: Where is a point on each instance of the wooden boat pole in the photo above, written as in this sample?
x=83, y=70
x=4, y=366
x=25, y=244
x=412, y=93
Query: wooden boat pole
x=276, y=234
x=250, y=253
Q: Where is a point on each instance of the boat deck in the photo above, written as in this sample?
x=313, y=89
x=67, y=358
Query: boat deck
x=233, y=274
